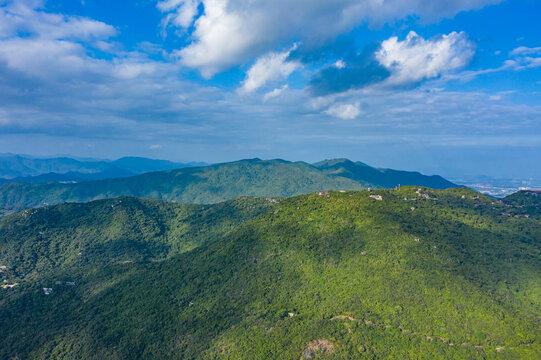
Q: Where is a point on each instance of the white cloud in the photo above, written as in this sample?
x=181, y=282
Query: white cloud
x=168, y=5
x=395, y=64
x=55, y=46
x=65, y=93
x=133, y=70
x=532, y=62
x=344, y=111
x=416, y=59
x=155, y=147
x=340, y=64
x=221, y=37
x=518, y=62
x=271, y=67
x=52, y=83
x=233, y=32
x=521, y=62
x=523, y=50
x=184, y=12
x=275, y=93
x=26, y=16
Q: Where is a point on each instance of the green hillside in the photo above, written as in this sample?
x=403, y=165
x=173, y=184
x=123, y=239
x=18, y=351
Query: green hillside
x=210, y=184
x=69, y=236
x=424, y=274
x=526, y=202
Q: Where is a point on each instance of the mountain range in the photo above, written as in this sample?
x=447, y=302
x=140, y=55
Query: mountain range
x=22, y=168
x=219, y=182
x=404, y=273
x=269, y=259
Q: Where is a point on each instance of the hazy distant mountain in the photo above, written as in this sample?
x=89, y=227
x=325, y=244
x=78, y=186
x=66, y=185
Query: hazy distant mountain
x=72, y=176
x=352, y=275
x=20, y=168
x=140, y=165
x=215, y=183
x=12, y=166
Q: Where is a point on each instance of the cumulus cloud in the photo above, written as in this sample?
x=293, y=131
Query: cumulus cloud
x=233, y=32
x=51, y=82
x=39, y=45
x=271, y=67
x=395, y=63
x=416, y=59
x=221, y=36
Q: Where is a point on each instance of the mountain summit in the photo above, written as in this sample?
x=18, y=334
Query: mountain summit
x=380, y=178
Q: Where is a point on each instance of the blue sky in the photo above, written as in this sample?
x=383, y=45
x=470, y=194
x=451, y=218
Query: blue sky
x=449, y=87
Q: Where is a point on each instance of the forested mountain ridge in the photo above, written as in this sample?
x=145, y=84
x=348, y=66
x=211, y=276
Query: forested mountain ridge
x=214, y=183
x=380, y=178
x=412, y=272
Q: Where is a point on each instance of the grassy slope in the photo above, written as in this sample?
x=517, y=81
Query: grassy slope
x=209, y=184
x=349, y=268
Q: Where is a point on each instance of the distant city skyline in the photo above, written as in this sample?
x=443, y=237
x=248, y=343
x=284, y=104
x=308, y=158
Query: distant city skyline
x=449, y=88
